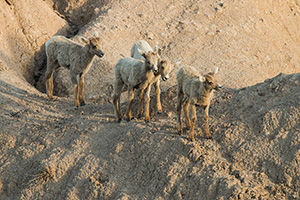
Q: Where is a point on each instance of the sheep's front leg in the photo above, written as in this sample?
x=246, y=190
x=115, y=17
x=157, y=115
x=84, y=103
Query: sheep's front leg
x=186, y=113
x=206, y=117
x=81, y=100
x=194, y=119
x=75, y=83
x=141, y=100
x=157, y=92
x=179, y=103
x=147, y=103
x=130, y=101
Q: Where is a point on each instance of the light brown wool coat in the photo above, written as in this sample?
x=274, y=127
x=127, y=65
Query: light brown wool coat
x=63, y=52
x=131, y=74
x=194, y=89
x=164, y=68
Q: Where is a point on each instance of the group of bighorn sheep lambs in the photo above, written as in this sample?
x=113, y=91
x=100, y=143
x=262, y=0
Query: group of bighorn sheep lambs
x=140, y=71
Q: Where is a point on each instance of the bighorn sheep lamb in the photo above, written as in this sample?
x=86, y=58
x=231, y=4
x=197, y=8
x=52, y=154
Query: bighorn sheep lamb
x=164, y=67
x=63, y=52
x=133, y=73
x=197, y=90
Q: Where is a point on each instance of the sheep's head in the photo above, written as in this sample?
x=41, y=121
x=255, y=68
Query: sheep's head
x=94, y=44
x=210, y=81
x=151, y=59
x=164, y=69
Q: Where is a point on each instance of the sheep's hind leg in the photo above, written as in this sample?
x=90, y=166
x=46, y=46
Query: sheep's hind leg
x=81, y=100
x=116, y=103
x=118, y=89
x=49, y=84
x=194, y=119
x=186, y=113
x=179, y=104
x=75, y=83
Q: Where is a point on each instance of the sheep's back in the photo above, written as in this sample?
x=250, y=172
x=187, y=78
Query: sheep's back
x=185, y=75
x=128, y=69
x=141, y=44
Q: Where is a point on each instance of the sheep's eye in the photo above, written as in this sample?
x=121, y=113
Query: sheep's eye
x=210, y=82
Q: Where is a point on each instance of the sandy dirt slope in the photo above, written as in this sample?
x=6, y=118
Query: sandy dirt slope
x=48, y=150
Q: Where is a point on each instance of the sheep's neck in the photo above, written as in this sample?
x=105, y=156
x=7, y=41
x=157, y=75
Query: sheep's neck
x=206, y=95
x=86, y=51
x=147, y=69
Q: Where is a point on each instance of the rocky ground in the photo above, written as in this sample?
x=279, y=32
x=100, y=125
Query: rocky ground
x=49, y=150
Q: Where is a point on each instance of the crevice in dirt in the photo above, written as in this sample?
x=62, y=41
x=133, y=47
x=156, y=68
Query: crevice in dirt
x=8, y=2
x=78, y=17
x=73, y=16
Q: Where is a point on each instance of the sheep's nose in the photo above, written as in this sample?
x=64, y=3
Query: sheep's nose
x=164, y=78
x=101, y=54
x=155, y=71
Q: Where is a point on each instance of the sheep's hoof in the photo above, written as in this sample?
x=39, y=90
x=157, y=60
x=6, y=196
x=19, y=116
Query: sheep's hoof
x=192, y=139
x=139, y=116
x=179, y=132
x=129, y=119
x=75, y=108
x=159, y=112
x=209, y=137
x=51, y=97
x=82, y=104
x=119, y=121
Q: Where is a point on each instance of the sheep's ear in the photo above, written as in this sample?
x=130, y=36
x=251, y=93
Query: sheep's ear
x=84, y=40
x=202, y=78
x=216, y=70
x=96, y=34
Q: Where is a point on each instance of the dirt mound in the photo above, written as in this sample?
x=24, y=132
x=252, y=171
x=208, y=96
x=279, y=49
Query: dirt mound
x=27, y=25
x=48, y=150
x=68, y=154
